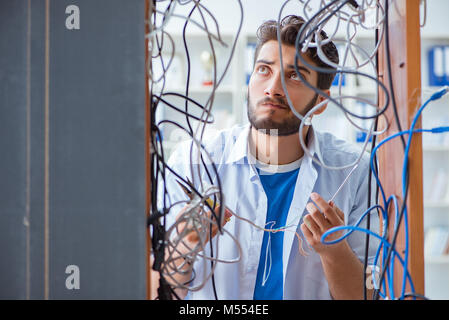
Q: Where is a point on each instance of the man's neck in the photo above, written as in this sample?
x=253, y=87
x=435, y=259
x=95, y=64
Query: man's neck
x=277, y=150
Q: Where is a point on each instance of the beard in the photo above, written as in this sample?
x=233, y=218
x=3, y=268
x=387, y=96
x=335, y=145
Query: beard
x=287, y=126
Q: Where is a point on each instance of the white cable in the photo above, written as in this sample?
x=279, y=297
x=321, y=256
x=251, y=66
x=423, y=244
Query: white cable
x=353, y=59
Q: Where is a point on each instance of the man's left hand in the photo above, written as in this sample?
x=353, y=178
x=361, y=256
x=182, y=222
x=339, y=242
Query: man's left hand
x=319, y=220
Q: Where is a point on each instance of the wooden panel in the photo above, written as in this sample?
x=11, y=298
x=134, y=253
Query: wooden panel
x=405, y=53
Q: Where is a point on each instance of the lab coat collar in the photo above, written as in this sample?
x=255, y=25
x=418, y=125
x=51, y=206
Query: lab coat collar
x=239, y=149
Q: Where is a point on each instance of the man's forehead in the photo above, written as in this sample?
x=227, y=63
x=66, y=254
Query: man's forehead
x=269, y=52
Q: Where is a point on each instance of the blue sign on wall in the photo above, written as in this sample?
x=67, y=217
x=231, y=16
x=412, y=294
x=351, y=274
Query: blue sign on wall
x=337, y=79
x=439, y=66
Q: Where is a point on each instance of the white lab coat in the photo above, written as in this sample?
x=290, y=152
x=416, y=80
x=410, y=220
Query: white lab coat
x=303, y=275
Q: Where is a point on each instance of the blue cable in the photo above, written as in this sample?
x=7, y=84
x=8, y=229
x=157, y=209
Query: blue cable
x=412, y=130
x=385, y=216
x=354, y=228
x=384, y=242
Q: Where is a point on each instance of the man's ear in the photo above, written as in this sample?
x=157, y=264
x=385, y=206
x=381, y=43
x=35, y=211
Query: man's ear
x=324, y=106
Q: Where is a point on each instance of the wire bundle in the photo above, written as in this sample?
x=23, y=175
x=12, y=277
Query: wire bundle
x=353, y=13
x=352, y=17
x=200, y=217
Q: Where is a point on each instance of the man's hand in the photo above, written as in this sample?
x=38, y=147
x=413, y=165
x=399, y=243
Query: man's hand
x=192, y=238
x=342, y=269
x=177, y=254
x=200, y=229
x=318, y=221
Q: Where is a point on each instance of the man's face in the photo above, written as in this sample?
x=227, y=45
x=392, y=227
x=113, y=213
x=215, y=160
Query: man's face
x=267, y=103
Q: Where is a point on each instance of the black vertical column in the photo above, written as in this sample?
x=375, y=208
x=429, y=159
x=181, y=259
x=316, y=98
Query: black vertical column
x=72, y=149
x=13, y=144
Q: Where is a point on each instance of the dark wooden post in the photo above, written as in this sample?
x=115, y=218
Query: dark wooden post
x=405, y=56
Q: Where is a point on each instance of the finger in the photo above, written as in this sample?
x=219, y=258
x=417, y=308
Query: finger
x=306, y=232
x=340, y=213
x=181, y=219
x=213, y=231
x=319, y=218
x=226, y=219
x=328, y=211
x=215, y=226
x=181, y=212
x=194, y=235
x=312, y=225
x=209, y=225
x=227, y=214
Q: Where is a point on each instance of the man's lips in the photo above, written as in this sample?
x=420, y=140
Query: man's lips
x=273, y=106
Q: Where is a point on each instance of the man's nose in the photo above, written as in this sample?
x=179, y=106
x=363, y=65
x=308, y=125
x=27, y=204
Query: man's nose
x=274, y=86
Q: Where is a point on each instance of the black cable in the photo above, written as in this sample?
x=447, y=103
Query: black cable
x=165, y=291
x=390, y=72
x=375, y=116
x=159, y=229
x=404, y=203
x=190, y=185
x=368, y=218
x=158, y=241
x=415, y=295
x=298, y=46
x=161, y=166
x=353, y=3
x=370, y=174
x=203, y=108
x=190, y=116
x=380, y=84
x=186, y=49
x=218, y=219
x=393, y=242
x=190, y=127
x=178, y=176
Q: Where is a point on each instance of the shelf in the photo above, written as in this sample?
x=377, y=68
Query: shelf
x=443, y=259
x=354, y=90
x=436, y=148
x=439, y=204
x=365, y=90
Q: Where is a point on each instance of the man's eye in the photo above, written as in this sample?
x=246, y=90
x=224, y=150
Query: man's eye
x=262, y=70
x=294, y=76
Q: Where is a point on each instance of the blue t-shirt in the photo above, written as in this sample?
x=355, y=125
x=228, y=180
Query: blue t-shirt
x=279, y=188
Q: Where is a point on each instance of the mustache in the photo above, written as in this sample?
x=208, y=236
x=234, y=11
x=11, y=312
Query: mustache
x=276, y=100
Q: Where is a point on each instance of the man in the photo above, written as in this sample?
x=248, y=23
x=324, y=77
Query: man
x=269, y=181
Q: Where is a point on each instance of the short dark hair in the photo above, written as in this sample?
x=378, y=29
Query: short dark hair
x=289, y=27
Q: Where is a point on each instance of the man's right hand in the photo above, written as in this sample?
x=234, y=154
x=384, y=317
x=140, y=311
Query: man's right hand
x=192, y=238
x=190, y=241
